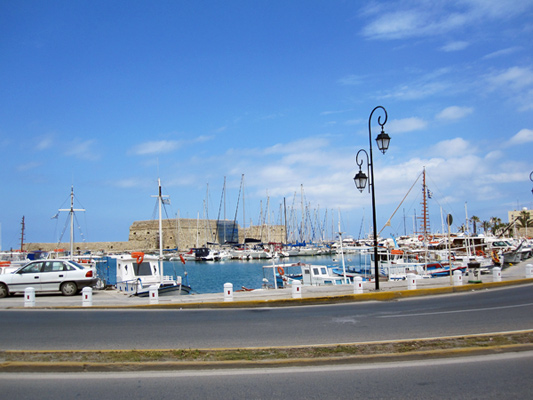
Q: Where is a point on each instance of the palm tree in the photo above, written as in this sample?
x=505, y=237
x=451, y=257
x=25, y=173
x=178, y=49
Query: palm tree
x=496, y=225
x=524, y=220
x=486, y=226
x=474, y=221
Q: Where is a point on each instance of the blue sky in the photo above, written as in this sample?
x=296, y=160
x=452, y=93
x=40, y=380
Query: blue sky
x=109, y=95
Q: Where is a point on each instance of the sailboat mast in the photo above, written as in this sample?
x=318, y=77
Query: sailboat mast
x=22, y=235
x=224, y=193
x=425, y=207
x=342, y=251
x=302, y=238
x=243, y=213
x=285, y=216
x=160, y=204
x=71, y=211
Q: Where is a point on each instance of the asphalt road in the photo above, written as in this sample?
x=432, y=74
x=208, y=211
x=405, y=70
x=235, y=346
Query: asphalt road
x=492, y=310
x=501, y=376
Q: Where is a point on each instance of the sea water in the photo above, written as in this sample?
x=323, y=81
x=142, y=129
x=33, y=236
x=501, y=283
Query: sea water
x=210, y=276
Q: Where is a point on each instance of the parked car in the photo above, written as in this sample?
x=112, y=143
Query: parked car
x=65, y=276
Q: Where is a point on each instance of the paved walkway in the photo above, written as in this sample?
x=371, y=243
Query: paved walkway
x=515, y=274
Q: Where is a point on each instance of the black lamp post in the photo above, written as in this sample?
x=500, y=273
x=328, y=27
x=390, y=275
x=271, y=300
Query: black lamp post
x=531, y=179
x=361, y=178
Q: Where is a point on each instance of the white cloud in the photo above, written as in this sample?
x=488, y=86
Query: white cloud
x=419, y=18
x=502, y=52
x=494, y=155
x=156, y=147
x=452, y=148
x=455, y=46
x=166, y=146
x=516, y=83
x=83, y=150
x=352, y=80
x=333, y=112
x=515, y=78
x=396, y=25
x=28, y=166
x=454, y=113
x=203, y=138
x=406, y=125
x=425, y=85
x=306, y=145
x=221, y=129
x=44, y=143
x=353, y=122
x=127, y=183
x=524, y=136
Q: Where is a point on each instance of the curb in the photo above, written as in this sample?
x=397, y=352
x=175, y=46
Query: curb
x=347, y=298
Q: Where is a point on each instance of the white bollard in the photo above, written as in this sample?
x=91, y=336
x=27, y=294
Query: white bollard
x=87, y=295
x=457, y=278
x=357, y=285
x=529, y=271
x=228, y=292
x=411, y=281
x=497, y=274
x=296, y=289
x=29, y=297
x=154, y=294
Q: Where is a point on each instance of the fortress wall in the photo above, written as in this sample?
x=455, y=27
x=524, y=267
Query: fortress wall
x=177, y=233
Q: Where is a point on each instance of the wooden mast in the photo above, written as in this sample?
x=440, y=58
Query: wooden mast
x=22, y=235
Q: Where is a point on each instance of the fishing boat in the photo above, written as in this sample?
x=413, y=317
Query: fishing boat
x=136, y=272
x=307, y=274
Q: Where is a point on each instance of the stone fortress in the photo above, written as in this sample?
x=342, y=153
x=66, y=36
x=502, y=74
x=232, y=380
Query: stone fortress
x=179, y=233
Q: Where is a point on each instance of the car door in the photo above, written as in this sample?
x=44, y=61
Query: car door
x=52, y=275
x=27, y=276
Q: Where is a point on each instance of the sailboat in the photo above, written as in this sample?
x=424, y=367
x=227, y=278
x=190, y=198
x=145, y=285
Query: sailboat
x=424, y=262
x=136, y=272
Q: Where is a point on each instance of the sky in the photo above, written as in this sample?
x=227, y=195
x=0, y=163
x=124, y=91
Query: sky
x=109, y=96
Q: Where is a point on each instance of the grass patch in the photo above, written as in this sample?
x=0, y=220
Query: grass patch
x=267, y=354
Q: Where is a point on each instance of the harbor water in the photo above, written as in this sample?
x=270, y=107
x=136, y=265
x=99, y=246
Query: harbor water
x=210, y=277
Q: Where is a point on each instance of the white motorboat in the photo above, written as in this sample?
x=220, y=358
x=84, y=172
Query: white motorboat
x=307, y=274
x=137, y=272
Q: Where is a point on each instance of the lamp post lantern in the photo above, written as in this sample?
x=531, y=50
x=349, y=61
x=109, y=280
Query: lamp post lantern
x=531, y=179
x=360, y=179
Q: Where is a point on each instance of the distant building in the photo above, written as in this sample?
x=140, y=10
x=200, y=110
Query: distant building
x=522, y=227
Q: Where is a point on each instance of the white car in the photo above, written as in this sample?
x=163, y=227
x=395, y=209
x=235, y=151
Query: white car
x=65, y=276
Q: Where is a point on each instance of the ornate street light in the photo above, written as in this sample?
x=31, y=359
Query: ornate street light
x=531, y=179
x=360, y=179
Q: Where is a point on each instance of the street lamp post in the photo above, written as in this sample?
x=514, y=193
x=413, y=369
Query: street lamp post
x=361, y=178
x=531, y=179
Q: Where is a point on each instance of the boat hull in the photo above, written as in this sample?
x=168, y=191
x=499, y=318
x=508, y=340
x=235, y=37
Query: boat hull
x=168, y=291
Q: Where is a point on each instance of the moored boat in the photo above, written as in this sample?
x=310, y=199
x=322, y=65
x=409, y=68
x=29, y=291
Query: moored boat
x=307, y=274
x=135, y=273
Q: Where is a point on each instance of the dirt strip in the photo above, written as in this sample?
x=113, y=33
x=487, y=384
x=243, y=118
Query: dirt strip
x=181, y=359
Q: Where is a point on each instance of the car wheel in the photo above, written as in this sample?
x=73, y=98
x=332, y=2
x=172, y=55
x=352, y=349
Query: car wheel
x=4, y=292
x=69, y=288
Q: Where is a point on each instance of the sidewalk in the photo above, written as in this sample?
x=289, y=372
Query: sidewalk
x=511, y=275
